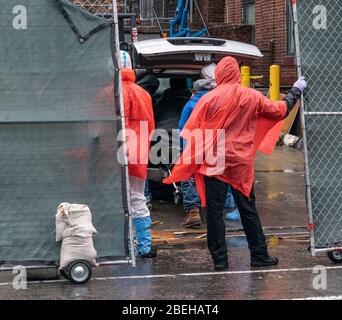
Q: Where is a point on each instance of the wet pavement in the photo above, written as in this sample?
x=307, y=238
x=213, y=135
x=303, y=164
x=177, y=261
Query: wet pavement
x=186, y=273
x=279, y=189
x=184, y=270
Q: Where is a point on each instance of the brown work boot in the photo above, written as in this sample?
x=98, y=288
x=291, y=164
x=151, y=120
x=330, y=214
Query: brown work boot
x=192, y=218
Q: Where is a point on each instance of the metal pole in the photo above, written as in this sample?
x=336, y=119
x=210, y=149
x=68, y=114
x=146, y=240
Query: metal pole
x=324, y=113
x=123, y=125
x=305, y=145
x=158, y=22
x=202, y=18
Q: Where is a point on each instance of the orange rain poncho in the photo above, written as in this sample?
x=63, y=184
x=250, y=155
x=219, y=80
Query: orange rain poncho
x=245, y=115
x=140, y=119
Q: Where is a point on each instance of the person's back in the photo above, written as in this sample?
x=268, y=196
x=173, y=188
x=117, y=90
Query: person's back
x=236, y=110
x=239, y=118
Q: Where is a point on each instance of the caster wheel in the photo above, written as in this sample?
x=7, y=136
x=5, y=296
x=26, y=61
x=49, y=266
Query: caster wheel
x=79, y=272
x=335, y=256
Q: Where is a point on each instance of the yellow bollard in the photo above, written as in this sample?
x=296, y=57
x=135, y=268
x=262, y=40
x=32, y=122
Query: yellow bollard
x=246, y=76
x=275, y=83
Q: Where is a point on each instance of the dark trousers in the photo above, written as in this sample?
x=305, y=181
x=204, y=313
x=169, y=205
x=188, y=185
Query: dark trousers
x=216, y=193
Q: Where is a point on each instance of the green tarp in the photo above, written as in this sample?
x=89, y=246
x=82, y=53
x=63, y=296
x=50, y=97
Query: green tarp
x=57, y=144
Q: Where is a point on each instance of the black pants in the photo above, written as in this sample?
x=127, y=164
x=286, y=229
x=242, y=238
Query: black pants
x=216, y=193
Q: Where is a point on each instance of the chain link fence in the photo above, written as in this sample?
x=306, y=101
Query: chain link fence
x=104, y=7
x=320, y=45
x=148, y=10
x=163, y=9
x=98, y=7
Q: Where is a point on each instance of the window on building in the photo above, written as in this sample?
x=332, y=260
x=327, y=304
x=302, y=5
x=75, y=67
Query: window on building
x=249, y=12
x=290, y=41
x=249, y=15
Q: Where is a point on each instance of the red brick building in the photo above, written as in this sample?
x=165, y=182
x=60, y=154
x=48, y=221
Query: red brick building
x=265, y=23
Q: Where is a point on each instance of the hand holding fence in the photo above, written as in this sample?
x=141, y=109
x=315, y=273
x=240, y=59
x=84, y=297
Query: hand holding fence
x=301, y=84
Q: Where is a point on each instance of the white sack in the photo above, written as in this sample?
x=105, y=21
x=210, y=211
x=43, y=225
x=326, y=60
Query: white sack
x=75, y=229
x=73, y=215
x=77, y=248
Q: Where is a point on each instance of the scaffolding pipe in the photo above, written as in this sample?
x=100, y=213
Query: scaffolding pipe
x=119, y=99
x=305, y=145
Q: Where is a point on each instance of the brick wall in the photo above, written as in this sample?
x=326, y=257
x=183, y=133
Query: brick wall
x=271, y=38
x=225, y=20
x=220, y=11
x=233, y=12
x=226, y=31
x=212, y=11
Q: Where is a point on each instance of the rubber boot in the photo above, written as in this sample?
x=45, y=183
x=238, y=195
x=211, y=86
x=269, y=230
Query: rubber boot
x=144, y=237
x=233, y=215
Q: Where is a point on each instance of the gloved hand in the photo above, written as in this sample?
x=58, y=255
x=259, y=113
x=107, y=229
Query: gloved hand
x=301, y=84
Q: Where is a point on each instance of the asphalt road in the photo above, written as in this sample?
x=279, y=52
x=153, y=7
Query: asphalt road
x=186, y=273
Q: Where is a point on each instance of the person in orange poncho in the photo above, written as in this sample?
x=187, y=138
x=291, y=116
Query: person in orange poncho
x=139, y=121
x=224, y=133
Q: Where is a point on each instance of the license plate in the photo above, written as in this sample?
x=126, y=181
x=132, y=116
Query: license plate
x=203, y=57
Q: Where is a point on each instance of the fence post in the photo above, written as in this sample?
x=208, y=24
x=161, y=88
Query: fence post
x=275, y=83
x=246, y=76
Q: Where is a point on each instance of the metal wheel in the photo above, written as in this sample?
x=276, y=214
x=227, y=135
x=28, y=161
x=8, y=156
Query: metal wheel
x=79, y=272
x=335, y=256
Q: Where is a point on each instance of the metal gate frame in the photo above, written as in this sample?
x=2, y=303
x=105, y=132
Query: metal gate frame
x=303, y=113
x=119, y=104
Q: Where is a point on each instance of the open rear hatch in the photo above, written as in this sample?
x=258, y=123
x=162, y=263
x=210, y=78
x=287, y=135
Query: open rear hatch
x=189, y=53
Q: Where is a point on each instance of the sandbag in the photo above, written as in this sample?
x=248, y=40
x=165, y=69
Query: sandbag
x=75, y=229
x=77, y=248
x=69, y=216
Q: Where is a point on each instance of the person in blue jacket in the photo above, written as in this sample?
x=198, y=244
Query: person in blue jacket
x=200, y=88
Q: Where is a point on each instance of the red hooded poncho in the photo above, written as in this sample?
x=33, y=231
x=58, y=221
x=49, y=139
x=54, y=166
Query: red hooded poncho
x=140, y=119
x=246, y=117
